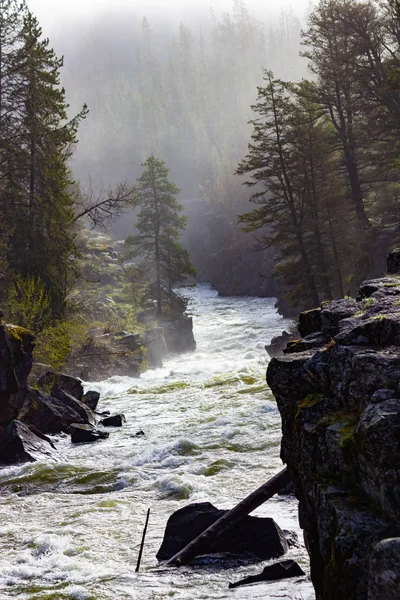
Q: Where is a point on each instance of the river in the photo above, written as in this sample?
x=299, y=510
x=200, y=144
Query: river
x=71, y=530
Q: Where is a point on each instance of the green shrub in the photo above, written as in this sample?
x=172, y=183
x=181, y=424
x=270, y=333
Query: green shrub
x=28, y=304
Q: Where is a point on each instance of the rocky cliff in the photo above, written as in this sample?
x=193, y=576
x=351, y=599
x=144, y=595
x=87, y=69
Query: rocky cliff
x=338, y=391
x=16, y=346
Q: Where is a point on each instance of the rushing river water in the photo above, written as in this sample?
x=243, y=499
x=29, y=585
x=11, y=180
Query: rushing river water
x=71, y=530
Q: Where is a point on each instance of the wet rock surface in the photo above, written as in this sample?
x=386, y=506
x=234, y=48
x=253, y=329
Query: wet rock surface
x=50, y=382
x=16, y=346
x=261, y=537
x=86, y=433
x=52, y=415
x=384, y=572
x=178, y=334
x=113, y=421
x=281, y=570
x=91, y=399
x=340, y=408
x=279, y=343
x=18, y=444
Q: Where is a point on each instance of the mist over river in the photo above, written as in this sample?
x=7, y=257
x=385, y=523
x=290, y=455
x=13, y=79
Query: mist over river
x=71, y=530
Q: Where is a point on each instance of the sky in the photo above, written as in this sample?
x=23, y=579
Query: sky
x=53, y=14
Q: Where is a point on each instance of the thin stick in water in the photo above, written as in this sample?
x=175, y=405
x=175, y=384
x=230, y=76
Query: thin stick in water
x=142, y=544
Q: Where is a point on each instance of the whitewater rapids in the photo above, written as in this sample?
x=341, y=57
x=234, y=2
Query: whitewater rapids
x=71, y=530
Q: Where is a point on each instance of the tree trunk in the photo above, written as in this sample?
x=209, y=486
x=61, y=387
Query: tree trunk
x=335, y=254
x=205, y=540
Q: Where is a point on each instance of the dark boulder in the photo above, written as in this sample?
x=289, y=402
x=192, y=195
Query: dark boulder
x=310, y=322
x=334, y=312
x=393, y=262
x=311, y=341
x=279, y=343
x=51, y=415
x=281, y=570
x=85, y=413
x=178, y=335
x=49, y=381
x=261, y=537
x=378, y=288
x=18, y=444
x=91, y=399
x=113, y=421
x=384, y=578
x=16, y=346
x=86, y=433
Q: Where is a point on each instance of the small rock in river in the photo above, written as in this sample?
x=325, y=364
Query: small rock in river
x=86, y=433
x=113, y=421
x=91, y=399
x=281, y=570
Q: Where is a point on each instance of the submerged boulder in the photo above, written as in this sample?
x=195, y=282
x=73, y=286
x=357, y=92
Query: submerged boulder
x=281, y=570
x=259, y=536
x=113, y=421
x=86, y=433
x=18, y=444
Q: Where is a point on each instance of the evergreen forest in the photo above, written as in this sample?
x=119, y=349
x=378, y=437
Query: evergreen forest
x=281, y=138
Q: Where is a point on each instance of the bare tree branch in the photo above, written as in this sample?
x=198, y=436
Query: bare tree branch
x=102, y=205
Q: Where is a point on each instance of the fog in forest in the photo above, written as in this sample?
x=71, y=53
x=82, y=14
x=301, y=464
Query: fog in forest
x=176, y=80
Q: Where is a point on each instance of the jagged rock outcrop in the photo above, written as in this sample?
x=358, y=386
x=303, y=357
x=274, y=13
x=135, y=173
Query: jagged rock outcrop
x=50, y=382
x=16, y=346
x=53, y=415
x=338, y=391
x=178, y=334
x=18, y=444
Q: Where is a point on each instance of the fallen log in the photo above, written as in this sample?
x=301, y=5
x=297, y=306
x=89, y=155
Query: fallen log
x=203, y=542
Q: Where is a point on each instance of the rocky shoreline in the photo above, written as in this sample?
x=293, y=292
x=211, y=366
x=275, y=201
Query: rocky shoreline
x=32, y=407
x=109, y=352
x=338, y=392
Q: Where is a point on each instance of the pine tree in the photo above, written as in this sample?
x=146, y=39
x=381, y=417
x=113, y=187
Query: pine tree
x=11, y=23
x=281, y=204
x=159, y=223
x=42, y=244
x=332, y=53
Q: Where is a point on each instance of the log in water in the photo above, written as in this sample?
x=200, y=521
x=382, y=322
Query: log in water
x=203, y=542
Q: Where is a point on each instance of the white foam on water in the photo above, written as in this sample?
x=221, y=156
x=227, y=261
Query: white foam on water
x=216, y=440
x=163, y=455
x=174, y=485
